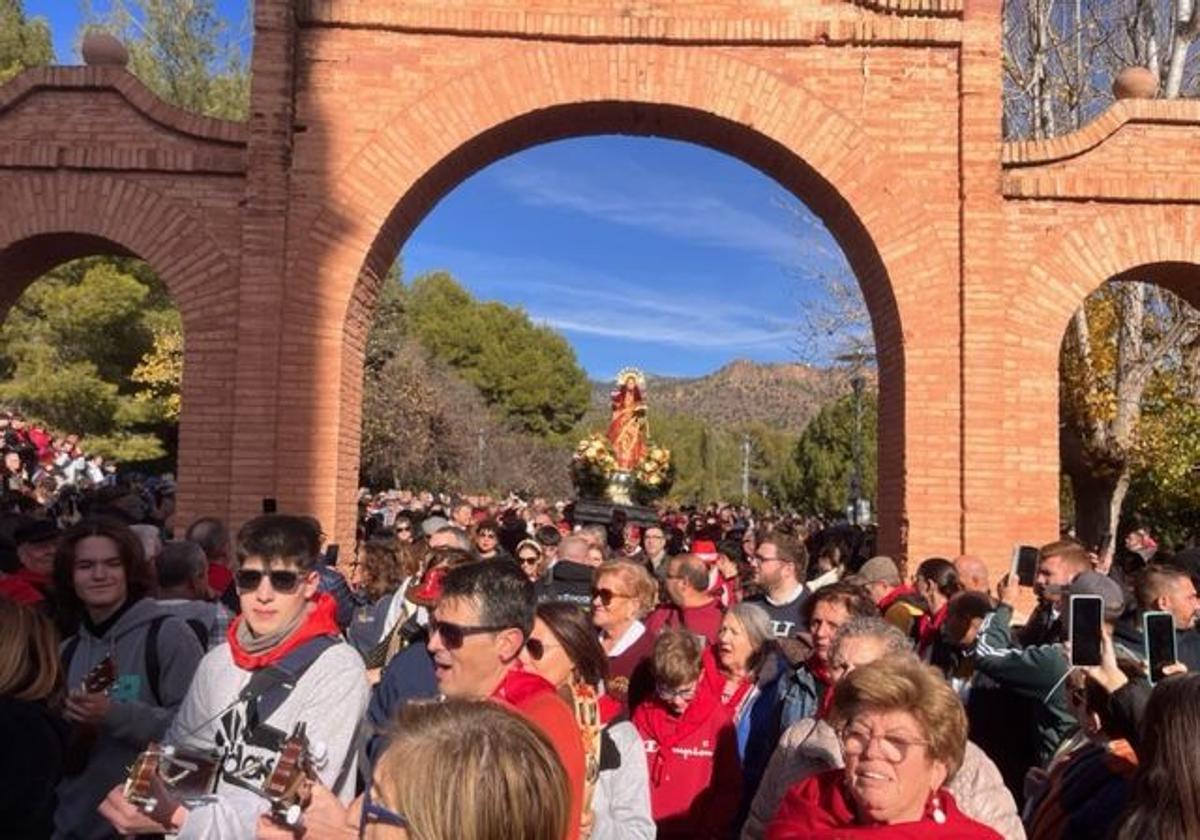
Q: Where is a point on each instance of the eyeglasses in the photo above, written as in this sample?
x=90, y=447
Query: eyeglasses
x=403, y=529
x=375, y=814
x=606, y=596
x=856, y=740
x=529, y=560
x=537, y=648
x=760, y=559
x=453, y=635
x=687, y=692
x=283, y=581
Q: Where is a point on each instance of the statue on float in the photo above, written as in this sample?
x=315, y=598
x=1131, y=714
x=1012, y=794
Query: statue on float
x=623, y=466
x=628, y=431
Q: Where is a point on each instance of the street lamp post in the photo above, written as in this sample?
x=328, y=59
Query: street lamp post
x=858, y=359
x=856, y=480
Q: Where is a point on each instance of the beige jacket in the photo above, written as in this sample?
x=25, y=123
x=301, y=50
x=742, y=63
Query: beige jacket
x=810, y=746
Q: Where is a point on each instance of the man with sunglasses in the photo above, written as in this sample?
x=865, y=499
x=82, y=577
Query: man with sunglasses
x=284, y=664
x=476, y=633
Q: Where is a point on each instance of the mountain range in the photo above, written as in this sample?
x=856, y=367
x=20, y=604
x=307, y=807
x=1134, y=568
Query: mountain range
x=782, y=395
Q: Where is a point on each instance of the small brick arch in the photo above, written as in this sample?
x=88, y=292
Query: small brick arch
x=807, y=146
x=66, y=216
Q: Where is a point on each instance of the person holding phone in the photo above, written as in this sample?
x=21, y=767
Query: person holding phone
x=1058, y=564
x=1162, y=589
x=1038, y=672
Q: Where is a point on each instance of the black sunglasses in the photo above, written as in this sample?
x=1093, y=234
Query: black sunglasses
x=282, y=580
x=529, y=560
x=453, y=635
x=606, y=596
x=536, y=648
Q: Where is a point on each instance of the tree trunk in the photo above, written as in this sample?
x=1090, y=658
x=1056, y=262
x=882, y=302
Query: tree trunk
x=1183, y=32
x=1098, y=500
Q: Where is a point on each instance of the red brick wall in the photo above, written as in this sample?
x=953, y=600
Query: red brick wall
x=882, y=115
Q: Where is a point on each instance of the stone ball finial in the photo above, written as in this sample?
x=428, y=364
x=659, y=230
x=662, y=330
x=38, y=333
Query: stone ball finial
x=104, y=49
x=1135, y=83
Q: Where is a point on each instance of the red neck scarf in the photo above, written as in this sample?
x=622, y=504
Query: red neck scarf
x=823, y=676
x=321, y=621
x=929, y=627
x=894, y=596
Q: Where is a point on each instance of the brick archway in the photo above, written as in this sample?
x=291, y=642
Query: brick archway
x=65, y=217
x=810, y=148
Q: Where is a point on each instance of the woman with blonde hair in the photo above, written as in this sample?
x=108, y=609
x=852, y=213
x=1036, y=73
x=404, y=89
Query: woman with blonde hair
x=456, y=770
x=623, y=593
x=903, y=734
x=34, y=736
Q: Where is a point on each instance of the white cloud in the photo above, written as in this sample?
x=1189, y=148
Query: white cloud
x=585, y=301
x=672, y=207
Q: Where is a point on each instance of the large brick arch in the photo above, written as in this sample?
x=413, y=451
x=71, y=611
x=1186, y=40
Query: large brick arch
x=806, y=145
x=65, y=216
x=1069, y=260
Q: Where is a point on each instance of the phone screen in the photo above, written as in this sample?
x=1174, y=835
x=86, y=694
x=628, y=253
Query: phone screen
x=331, y=555
x=1159, y=631
x=1086, y=613
x=1025, y=564
x=268, y=506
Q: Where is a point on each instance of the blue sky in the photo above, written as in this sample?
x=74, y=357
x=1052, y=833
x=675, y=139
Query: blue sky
x=654, y=253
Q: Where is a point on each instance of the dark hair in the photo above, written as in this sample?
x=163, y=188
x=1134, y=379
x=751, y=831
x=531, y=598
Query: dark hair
x=179, y=561
x=942, y=574
x=1152, y=583
x=380, y=568
x=139, y=577
x=1165, y=803
x=790, y=550
x=280, y=536
x=573, y=630
x=692, y=570
x=969, y=605
x=854, y=598
x=211, y=535
x=488, y=525
x=504, y=595
x=548, y=535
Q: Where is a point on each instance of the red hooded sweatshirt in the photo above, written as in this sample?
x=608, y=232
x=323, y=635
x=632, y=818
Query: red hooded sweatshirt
x=695, y=775
x=818, y=808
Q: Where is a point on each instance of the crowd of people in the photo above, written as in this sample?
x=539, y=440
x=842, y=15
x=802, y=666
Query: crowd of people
x=478, y=669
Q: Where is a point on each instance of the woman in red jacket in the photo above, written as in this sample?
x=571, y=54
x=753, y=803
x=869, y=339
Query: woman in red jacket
x=691, y=744
x=903, y=732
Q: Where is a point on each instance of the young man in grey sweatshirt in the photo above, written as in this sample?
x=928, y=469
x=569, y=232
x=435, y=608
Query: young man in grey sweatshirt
x=100, y=571
x=282, y=616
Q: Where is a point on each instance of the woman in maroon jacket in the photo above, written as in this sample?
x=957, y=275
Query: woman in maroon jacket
x=691, y=744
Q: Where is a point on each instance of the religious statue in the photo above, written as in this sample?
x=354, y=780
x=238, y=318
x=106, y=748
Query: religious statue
x=627, y=431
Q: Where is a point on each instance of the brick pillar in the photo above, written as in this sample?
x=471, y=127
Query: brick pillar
x=257, y=399
x=1009, y=481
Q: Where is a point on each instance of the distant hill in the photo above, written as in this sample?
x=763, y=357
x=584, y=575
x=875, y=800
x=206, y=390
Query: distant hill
x=784, y=395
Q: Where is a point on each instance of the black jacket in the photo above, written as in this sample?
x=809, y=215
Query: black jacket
x=31, y=765
x=569, y=583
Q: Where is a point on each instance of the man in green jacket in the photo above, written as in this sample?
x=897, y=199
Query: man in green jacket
x=1039, y=672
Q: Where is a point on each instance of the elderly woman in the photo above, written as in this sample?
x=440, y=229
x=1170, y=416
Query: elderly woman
x=563, y=649
x=811, y=746
x=623, y=593
x=748, y=673
x=903, y=733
